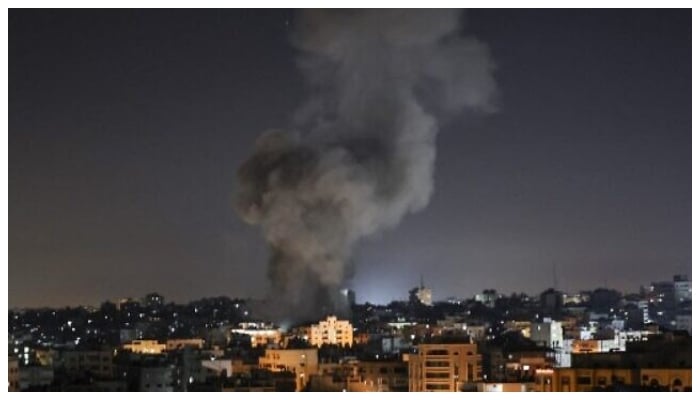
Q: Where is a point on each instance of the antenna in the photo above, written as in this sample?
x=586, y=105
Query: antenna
x=555, y=281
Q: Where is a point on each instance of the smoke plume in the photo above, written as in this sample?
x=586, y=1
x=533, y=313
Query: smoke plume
x=361, y=152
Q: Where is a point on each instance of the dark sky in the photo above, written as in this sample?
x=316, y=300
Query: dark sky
x=126, y=129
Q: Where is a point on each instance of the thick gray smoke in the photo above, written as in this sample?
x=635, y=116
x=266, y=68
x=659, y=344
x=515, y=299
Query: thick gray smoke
x=362, y=151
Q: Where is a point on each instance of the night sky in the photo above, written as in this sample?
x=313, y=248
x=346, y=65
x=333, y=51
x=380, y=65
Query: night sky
x=126, y=129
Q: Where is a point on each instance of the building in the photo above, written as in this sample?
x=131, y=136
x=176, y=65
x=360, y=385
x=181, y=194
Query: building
x=682, y=288
x=94, y=386
x=661, y=294
x=153, y=300
x=394, y=344
x=521, y=366
x=548, y=333
x=502, y=387
x=445, y=367
x=674, y=380
x=156, y=378
x=659, y=351
x=178, y=344
x=260, y=380
x=145, y=347
x=13, y=374
x=361, y=338
x=361, y=376
x=386, y=376
x=95, y=363
x=552, y=301
x=578, y=346
x=524, y=327
x=301, y=362
x=331, y=331
x=350, y=296
x=684, y=322
x=662, y=362
x=126, y=335
x=35, y=377
x=220, y=366
x=259, y=335
x=592, y=379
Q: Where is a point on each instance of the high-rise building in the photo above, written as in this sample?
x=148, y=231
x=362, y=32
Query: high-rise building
x=682, y=288
x=331, y=331
x=443, y=367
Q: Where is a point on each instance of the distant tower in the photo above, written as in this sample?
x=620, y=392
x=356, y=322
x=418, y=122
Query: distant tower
x=349, y=296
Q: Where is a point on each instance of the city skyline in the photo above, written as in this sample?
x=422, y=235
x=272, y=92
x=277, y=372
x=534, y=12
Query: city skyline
x=405, y=297
x=126, y=129
x=595, y=341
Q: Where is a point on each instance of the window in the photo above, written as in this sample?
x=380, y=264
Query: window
x=583, y=380
x=438, y=352
x=434, y=386
x=429, y=364
x=437, y=375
